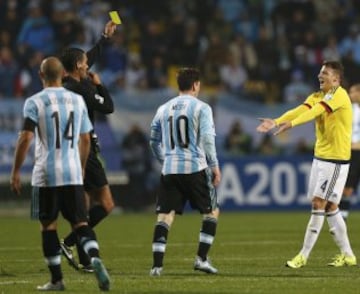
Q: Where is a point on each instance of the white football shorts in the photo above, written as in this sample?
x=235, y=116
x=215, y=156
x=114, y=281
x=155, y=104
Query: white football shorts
x=327, y=180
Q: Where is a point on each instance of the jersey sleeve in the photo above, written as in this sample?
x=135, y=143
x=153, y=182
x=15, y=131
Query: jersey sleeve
x=156, y=138
x=310, y=101
x=31, y=111
x=335, y=101
x=206, y=121
x=309, y=115
x=207, y=135
x=97, y=98
x=95, y=52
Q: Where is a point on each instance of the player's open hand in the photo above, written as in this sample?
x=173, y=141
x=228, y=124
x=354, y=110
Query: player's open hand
x=15, y=183
x=283, y=127
x=266, y=125
x=216, y=176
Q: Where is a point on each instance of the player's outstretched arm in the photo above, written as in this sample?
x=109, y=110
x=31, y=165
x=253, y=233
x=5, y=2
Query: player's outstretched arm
x=266, y=125
x=94, y=54
x=283, y=127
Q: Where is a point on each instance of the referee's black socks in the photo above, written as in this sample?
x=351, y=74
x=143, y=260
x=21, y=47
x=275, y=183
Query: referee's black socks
x=96, y=214
x=344, y=207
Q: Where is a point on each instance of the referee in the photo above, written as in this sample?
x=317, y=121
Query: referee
x=97, y=98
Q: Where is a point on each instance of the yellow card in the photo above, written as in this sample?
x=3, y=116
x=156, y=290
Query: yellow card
x=114, y=15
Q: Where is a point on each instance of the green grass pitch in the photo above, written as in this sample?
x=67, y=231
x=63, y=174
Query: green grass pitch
x=250, y=251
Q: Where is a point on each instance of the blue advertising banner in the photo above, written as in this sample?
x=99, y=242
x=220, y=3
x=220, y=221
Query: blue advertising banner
x=264, y=183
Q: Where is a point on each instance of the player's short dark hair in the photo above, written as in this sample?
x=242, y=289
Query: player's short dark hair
x=186, y=77
x=70, y=57
x=336, y=66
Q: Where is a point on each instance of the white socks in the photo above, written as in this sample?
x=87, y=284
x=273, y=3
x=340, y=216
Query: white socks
x=338, y=231
x=312, y=231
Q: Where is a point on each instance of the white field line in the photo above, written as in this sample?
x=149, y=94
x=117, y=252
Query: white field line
x=14, y=282
x=171, y=244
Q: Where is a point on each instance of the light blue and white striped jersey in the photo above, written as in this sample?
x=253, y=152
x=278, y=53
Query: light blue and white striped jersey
x=177, y=128
x=61, y=116
x=356, y=123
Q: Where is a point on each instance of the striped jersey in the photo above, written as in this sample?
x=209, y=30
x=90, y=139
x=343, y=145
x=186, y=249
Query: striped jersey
x=60, y=117
x=178, y=126
x=356, y=123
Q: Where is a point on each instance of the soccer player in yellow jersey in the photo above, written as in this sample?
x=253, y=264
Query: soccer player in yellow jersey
x=332, y=111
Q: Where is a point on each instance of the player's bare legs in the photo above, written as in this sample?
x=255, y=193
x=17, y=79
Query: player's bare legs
x=101, y=203
x=337, y=228
x=345, y=202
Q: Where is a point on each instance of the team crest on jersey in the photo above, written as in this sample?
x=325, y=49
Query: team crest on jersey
x=328, y=97
x=99, y=98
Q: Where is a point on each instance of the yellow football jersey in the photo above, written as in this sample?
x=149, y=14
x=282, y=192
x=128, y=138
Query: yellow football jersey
x=333, y=128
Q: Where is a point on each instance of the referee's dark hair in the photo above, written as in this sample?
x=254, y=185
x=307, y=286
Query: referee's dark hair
x=186, y=77
x=70, y=57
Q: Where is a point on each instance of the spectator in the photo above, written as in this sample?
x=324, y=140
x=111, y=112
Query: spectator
x=135, y=74
x=157, y=75
x=350, y=44
x=115, y=59
x=331, y=51
x=65, y=22
x=213, y=58
x=322, y=27
x=302, y=147
x=190, y=46
x=94, y=18
x=8, y=73
x=238, y=142
x=267, y=146
x=29, y=81
x=284, y=60
x=233, y=76
x=244, y=52
x=36, y=33
x=297, y=89
x=267, y=54
x=153, y=42
x=137, y=161
x=12, y=23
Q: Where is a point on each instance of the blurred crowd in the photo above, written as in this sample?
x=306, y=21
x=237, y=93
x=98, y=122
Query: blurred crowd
x=266, y=50
x=239, y=143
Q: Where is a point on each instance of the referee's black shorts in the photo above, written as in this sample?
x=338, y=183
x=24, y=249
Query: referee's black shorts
x=95, y=176
x=353, y=178
x=176, y=189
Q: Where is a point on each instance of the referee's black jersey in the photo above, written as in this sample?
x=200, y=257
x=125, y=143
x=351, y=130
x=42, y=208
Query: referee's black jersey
x=97, y=97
